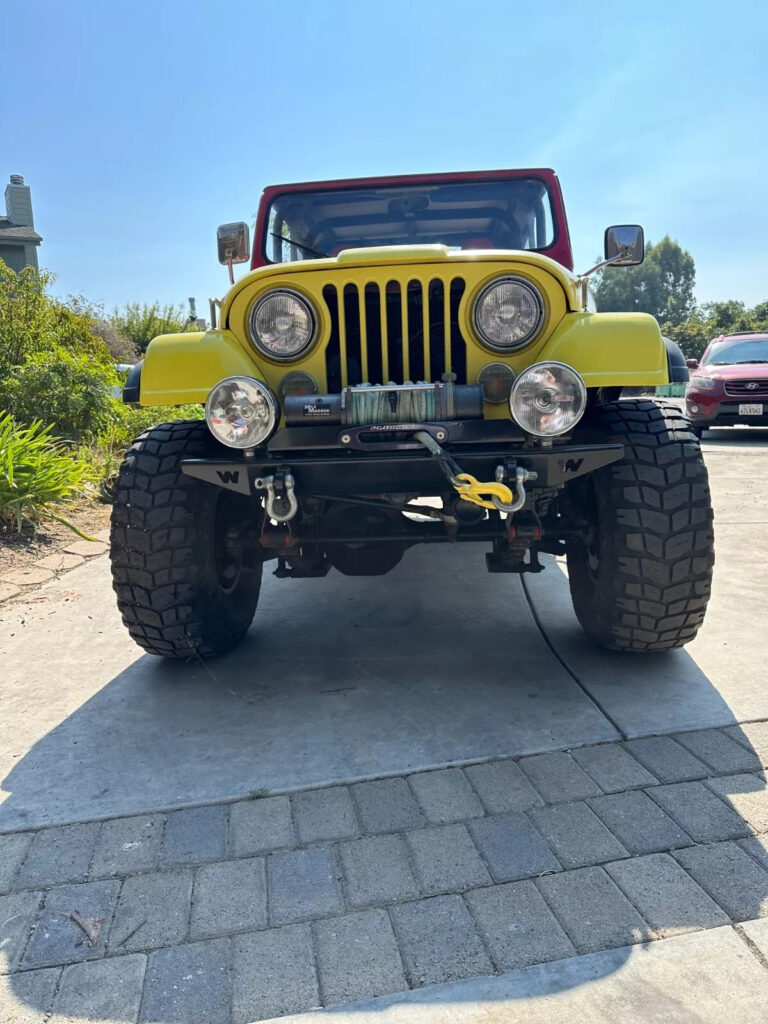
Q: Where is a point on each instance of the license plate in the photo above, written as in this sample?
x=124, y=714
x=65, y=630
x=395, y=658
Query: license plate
x=750, y=410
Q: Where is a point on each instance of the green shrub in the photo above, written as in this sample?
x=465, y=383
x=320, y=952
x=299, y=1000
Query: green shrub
x=141, y=322
x=69, y=392
x=38, y=475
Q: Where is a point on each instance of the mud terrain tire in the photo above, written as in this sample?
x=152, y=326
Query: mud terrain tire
x=642, y=581
x=184, y=586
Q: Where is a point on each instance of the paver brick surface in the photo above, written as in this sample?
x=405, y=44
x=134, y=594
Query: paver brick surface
x=704, y=816
x=377, y=869
x=194, y=835
x=58, y=938
x=592, y=909
x=557, y=777
x=518, y=926
x=747, y=794
x=730, y=876
x=273, y=973
x=502, y=786
x=59, y=561
x=13, y=850
x=445, y=796
x=27, y=998
x=153, y=910
x=446, y=859
x=757, y=932
x=323, y=814
x=59, y=854
x=639, y=824
x=666, y=759
x=757, y=848
x=387, y=805
x=230, y=896
x=719, y=751
x=576, y=834
x=101, y=990
x=357, y=957
x=87, y=548
x=128, y=845
x=511, y=847
x=438, y=941
x=612, y=767
x=188, y=984
x=302, y=884
x=667, y=897
x=753, y=736
x=8, y=590
x=27, y=576
x=17, y=912
x=258, y=826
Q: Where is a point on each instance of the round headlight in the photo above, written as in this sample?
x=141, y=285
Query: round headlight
x=508, y=312
x=548, y=399
x=282, y=324
x=241, y=412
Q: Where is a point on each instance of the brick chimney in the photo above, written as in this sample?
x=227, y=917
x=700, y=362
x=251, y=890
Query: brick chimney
x=18, y=202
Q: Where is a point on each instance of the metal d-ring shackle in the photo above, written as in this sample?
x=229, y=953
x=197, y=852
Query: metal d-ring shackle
x=453, y=472
x=267, y=483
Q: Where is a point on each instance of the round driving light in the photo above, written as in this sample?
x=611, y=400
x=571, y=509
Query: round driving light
x=548, y=399
x=241, y=412
x=496, y=380
x=282, y=324
x=298, y=383
x=507, y=313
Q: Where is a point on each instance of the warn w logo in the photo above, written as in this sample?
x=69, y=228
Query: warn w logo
x=570, y=465
x=228, y=476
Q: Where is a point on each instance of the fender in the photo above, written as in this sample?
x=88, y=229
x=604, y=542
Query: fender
x=180, y=369
x=610, y=349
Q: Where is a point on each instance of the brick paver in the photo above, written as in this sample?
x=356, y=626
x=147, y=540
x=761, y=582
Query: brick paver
x=237, y=912
x=357, y=957
x=445, y=796
x=259, y=826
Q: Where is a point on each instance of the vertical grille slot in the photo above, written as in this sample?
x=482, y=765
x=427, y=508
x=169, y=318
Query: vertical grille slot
x=403, y=331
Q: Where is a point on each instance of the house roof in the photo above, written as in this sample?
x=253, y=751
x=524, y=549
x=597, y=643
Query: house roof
x=15, y=232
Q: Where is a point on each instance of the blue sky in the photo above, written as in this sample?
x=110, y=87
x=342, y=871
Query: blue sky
x=141, y=126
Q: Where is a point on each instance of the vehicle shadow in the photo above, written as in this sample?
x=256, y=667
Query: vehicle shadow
x=359, y=682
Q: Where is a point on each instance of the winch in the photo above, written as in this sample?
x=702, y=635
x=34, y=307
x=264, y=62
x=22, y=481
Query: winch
x=389, y=403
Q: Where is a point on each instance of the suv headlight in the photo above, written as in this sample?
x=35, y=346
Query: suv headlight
x=507, y=313
x=704, y=383
x=282, y=324
x=548, y=399
x=241, y=412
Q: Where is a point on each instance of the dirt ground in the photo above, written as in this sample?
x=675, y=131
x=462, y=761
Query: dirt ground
x=20, y=550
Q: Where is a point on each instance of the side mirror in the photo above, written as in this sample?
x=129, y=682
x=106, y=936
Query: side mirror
x=692, y=364
x=234, y=243
x=625, y=245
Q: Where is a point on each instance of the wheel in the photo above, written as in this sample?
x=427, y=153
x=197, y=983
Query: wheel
x=185, y=584
x=641, y=579
x=697, y=431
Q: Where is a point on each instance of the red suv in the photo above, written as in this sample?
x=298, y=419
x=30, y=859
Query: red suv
x=730, y=385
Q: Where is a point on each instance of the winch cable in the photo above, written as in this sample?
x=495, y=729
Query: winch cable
x=467, y=486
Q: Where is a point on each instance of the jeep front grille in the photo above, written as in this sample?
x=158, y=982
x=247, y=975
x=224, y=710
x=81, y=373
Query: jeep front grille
x=746, y=388
x=404, y=331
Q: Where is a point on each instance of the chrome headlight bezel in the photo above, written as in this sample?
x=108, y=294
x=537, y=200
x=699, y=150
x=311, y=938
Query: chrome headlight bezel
x=259, y=343
x=530, y=287
x=267, y=395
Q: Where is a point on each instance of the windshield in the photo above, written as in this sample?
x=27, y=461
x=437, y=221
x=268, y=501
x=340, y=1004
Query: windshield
x=514, y=213
x=727, y=353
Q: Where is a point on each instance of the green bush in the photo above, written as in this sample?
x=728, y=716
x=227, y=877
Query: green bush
x=141, y=322
x=38, y=475
x=69, y=392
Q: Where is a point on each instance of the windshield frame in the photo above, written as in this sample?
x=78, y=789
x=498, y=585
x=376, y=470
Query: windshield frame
x=558, y=249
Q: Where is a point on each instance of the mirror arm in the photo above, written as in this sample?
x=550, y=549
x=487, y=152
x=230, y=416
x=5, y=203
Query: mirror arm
x=583, y=279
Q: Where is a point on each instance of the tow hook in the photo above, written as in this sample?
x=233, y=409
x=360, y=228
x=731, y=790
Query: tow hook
x=280, y=503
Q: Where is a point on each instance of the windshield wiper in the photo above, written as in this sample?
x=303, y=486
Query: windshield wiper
x=300, y=245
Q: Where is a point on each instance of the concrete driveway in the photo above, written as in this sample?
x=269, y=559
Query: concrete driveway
x=438, y=665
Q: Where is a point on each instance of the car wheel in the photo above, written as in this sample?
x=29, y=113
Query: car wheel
x=640, y=578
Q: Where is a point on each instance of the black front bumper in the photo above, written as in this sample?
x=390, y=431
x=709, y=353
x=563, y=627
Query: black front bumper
x=372, y=460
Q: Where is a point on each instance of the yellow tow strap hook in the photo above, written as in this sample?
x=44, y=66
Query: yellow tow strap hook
x=471, y=489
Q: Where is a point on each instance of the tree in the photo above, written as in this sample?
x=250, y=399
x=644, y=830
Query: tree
x=715, y=318
x=662, y=285
x=141, y=322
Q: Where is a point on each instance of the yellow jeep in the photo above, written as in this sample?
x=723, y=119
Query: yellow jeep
x=412, y=360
